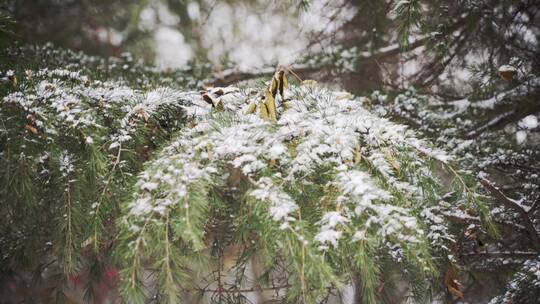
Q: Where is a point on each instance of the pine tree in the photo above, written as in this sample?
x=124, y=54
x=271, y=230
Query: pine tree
x=326, y=193
x=109, y=164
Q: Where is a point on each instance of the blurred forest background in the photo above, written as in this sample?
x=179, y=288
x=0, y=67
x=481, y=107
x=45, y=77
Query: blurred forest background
x=440, y=46
x=464, y=73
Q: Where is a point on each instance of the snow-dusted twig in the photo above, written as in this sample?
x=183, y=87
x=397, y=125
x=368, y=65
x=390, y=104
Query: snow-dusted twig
x=516, y=206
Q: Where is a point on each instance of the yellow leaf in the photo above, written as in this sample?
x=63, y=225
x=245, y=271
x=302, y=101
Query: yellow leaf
x=251, y=108
x=268, y=107
x=279, y=83
x=264, y=111
x=271, y=106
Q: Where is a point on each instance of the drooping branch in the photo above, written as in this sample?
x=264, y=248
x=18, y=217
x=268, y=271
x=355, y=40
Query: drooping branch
x=516, y=206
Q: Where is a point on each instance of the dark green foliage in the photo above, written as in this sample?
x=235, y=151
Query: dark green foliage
x=62, y=177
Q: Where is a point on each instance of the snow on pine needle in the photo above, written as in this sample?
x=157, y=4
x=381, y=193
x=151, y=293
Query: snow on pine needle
x=143, y=172
x=70, y=146
x=326, y=177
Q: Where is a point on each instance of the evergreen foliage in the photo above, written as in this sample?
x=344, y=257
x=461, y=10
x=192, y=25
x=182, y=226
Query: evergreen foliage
x=71, y=145
x=109, y=164
x=329, y=191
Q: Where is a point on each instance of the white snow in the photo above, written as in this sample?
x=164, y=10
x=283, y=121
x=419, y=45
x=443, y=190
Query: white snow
x=322, y=129
x=281, y=204
x=506, y=68
x=521, y=137
x=529, y=122
x=328, y=236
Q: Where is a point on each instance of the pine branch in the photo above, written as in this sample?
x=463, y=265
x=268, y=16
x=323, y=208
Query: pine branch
x=516, y=206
